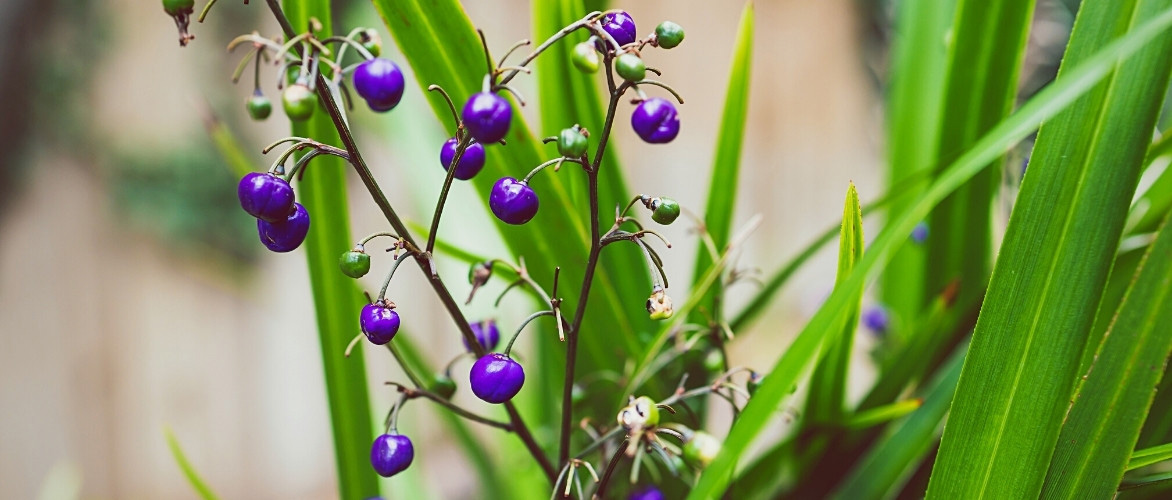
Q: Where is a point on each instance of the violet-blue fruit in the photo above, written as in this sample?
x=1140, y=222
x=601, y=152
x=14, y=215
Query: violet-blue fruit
x=380, y=82
x=487, y=117
x=496, y=378
x=656, y=121
x=512, y=201
x=621, y=26
x=391, y=454
x=379, y=322
x=486, y=333
x=265, y=196
x=470, y=163
x=286, y=235
x=876, y=319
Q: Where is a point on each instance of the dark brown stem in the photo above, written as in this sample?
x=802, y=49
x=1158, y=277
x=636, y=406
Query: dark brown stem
x=610, y=467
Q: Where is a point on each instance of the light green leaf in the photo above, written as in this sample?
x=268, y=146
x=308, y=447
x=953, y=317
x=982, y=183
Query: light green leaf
x=1066, y=224
x=798, y=357
x=1149, y=456
x=205, y=492
x=882, y=414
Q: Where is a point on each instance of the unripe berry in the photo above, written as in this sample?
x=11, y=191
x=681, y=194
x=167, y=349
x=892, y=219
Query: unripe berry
x=354, y=263
x=630, y=67
x=259, y=107
x=298, y=102
x=664, y=210
x=585, y=58
x=669, y=34
x=701, y=450
x=572, y=143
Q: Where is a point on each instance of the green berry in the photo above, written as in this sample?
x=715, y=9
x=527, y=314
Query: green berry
x=754, y=382
x=577, y=395
x=443, y=386
x=572, y=143
x=259, y=107
x=298, y=101
x=354, y=263
x=701, y=450
x=630, y=67
x=176, y=7
x=664, y=210
x=372, y=42
x=714, y=361
x=669, y=34
x=647, y=408
x=640, y=415
x=585, y=58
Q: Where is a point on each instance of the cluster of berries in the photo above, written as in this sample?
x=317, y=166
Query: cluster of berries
x=281, y=222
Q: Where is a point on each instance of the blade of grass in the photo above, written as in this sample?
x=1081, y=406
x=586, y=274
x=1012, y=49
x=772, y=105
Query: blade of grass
x=336, y=304
x=1103, y=425
x=1058, y=250
x=1153, y=204
x=726, y=165
x=916, y=90
x=891, y=461
x=828, y=382
x=1051, y=100
x=1149, y=456
x=205, y=492
x=882, y=414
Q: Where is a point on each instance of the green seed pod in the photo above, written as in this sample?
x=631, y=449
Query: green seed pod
x=299, y=102
x=585, y=58
x=664, y=210
x=630, y=67
x=714, y=361
x=372, y=42
x=572, y=143
x=443, y=386
x=641, y=414
x=355, y=263
x=669, y=34
x=701, y=449
x=259, y=107
x=659, y=305
x=176, y=7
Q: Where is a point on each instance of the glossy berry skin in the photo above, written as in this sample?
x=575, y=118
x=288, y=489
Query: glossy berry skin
x=668, y=34
x=380, y=82
x=512, y=201
x=664, y=210
x=259, y=107
x=354, y=264
x=298, y=102
x=585, y=58
x=876, y=319
x=648, y=493
x=443, y=386
x=379, y=322
x=621, y=27
x=571, y=143
x=176, y=7
x=470, y=163
x=630, y=67
x=391, y=454
x=487, y=334
x=496, y=378
x=701, y=449
x=265, y=196
x=286, y=235
x=487, y=117
x=656, y=121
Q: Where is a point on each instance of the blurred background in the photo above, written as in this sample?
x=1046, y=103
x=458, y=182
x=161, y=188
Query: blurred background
x=134, y=296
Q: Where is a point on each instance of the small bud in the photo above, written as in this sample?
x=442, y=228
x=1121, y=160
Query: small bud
x=478, y=275
x=659, y=305
x=372, y=42
x=572, y=142
x=669, y=34
x=630, y=67
x=585, y=58
x=664, y=210
x=701, y=449
x=639, y=415
x=355, y=263
x=754, y=382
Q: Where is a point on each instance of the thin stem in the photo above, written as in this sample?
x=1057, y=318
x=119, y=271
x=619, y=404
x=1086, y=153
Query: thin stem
x=418, y=392
x=589, y=18
x=411, y=375
x=206, y=8
x=662, y=86
x=610, y=467
x=421, y=259
x=555, y=161
x=451, y=105
x=369, y=237
x=382, y=293
x=525, y=323
x=443, y=197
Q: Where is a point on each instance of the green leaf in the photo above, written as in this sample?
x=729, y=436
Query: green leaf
x=891, y=461
x=1151, y=206
x=882, y=414
x=798, y=357
x=915, y=99
x=829, y=380
x=987, y=44
x=205, y=492
x=1054, y=262
x=1149, y=456
x=1102, y=427
x=336, y=302
x=726, y=166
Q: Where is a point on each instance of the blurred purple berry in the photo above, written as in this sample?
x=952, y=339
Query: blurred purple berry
x=487, y=117
x=265, y=196
x=470, y=164
x=920, y=233
x=486, y=333
x=646, y=493
x=379, y=322
x=876, y=319
x=391, y=454
x=380, y=82
x=286, y=235
x=496, y=378
x=512, y=201
x=621, y=26
x=656, y=121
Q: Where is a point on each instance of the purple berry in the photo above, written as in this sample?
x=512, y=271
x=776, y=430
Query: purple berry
x=379, y=322
x=391, y=454
x=656, y=121
x=486, y=333
x=621, y=26
x=876, y=319
x=265, y=196
x=496, y=378
x=512, y=201
x=380, y=82
x=920, y=233
x=470, y=164
x=647, y=493
x=286, y=235
x=487, y=117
